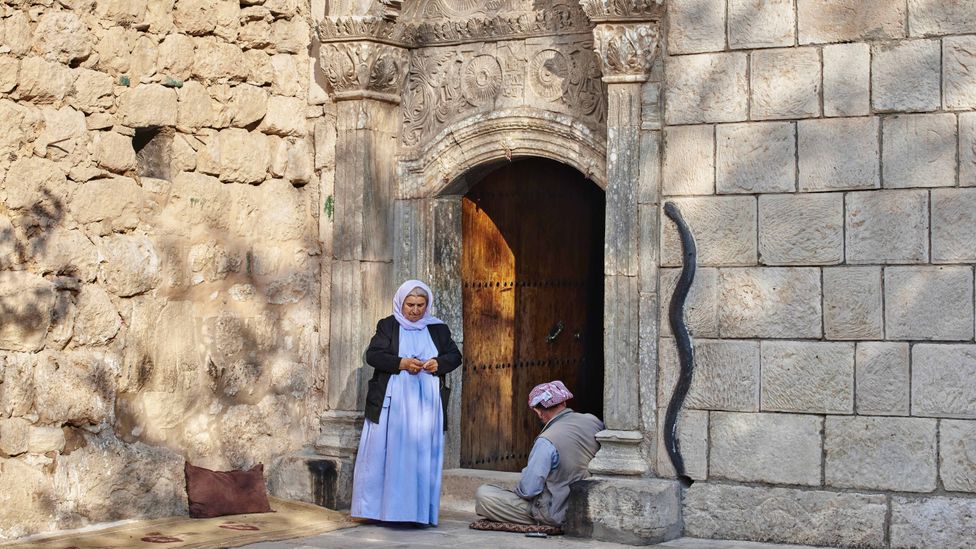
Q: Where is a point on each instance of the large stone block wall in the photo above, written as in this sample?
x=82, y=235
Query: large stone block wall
x=824, y=154
x=159, y=249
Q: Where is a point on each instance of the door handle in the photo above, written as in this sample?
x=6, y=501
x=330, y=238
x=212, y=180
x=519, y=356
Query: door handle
x=555, y=331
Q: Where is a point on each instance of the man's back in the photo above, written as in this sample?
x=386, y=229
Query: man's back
x=574, y=437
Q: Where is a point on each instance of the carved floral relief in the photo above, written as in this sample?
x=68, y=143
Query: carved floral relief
x=364, y=66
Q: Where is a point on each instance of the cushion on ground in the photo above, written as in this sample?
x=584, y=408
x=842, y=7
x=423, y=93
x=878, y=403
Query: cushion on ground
x=218, y=493
x=485, y=524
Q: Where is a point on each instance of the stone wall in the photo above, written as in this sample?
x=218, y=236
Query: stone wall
x=824, y=154
x=159, y=249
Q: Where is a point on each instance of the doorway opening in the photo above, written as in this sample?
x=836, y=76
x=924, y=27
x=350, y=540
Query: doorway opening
x=532, y=288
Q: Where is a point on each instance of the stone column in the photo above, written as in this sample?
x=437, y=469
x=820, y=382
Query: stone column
x=626, y=39
x=365, y=71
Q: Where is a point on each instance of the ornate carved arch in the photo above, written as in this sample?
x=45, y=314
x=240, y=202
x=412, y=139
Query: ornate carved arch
x=501, y=136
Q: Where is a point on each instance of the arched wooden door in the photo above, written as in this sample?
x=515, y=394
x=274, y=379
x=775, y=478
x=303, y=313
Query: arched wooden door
x=532, y=279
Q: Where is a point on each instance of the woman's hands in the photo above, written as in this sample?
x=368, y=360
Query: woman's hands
x=414, y=366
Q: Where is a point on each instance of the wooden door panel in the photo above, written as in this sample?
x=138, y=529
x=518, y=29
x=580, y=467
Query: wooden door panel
x=532, y=267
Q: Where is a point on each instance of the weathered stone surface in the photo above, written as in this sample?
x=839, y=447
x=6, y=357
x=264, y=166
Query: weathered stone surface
x=932, y=522
x=706, y=88
x=689, y=160
x=287, y=221
x=14, y=435
x=93, y=91
x=701, y=305
x=43, y=81
x=25, y=496
x=959, y=72
x=197, y=199
x=919, y=150
x=632, y=511
x=846, y=75
x=17, y=389
x=242, y=156
x=942, y=380
x=934, y=17
x=724, y=229
x=285, y=116
x=131, y=264
x=298, y=166
x=92, y=377
x=755, y=157
x=761, y=24
x=109, y=480
x=953, y=225
x=148, y=105
x=116, y=203
x=807, y=377
x=248, y=105
x=37, y=185
x=26, y=302
x=822, y=21
x=17, y=32
x=122, y=12
x=195, y=108
x=260, y=70
x=770, y=302
x=64, y=133
x=291, y=35
x=967, y=149
x=696, y=26
x=801, y=229
x=693, y=438
x=9, y=69
x=785, y=83
x=852, y=303
x=216, y=60
x=726, y=375
x=195, y=17
x=45, y=439
x=98, y=321
x=142, y=62
x=929, y=303
x=113, y=49
x=176, y=54
x=838, y=154
x=114, y=152
x=62, y=36
x=882, y=379
x=785, y=515
x=957, y=455
x=887, y=227
x=880, y=453
x=23, y=126
x=775, y=448
x=905, y=76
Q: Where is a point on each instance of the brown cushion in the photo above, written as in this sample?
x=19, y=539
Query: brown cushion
x=219, y=493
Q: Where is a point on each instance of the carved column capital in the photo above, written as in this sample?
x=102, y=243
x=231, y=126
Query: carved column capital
x=363, y=67
x=626, y=50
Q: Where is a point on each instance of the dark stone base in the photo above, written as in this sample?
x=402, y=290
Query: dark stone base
x=322, y=480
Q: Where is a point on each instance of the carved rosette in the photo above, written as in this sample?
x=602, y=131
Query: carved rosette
x=364, y=69
x=626, y=50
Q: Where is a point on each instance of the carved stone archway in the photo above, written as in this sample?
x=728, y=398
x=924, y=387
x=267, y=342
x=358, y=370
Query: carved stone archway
x=430, y=89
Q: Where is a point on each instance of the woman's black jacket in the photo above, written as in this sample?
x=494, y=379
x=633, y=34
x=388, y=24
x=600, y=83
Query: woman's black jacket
x=382, y=355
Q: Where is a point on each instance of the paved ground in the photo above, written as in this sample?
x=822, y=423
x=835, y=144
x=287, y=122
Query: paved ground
x=453, y=531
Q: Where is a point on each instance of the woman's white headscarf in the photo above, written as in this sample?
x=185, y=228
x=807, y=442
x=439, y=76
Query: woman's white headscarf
x=401, y=294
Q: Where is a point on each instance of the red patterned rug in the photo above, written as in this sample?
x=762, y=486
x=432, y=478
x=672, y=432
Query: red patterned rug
x=485, y=524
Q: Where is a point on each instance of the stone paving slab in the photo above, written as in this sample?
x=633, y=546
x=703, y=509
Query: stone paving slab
x=453, y=531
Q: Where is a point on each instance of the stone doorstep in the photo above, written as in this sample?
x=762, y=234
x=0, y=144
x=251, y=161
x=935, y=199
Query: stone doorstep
x=634, y=511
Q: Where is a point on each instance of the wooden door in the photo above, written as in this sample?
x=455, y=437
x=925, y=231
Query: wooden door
x=532, y=279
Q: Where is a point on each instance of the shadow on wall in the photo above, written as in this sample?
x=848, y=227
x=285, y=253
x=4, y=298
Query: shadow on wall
x=147, y=322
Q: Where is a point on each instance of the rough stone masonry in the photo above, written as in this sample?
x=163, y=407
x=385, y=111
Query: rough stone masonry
x=198, y=197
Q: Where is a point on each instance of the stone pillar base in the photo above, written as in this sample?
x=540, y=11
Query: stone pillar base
x=339, y=433
x=313, y=478
x=635, y=511
x=619, y=454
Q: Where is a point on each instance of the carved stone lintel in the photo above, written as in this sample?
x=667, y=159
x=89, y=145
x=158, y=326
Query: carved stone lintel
x=619, y=454
x=626, y=50
x=616, y=10
x=364, y=69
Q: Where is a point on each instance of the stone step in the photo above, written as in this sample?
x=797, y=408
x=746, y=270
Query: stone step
x=459, y=485
x=630, y=510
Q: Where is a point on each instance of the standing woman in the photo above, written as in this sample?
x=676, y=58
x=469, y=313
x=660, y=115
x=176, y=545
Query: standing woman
x=398, y=469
